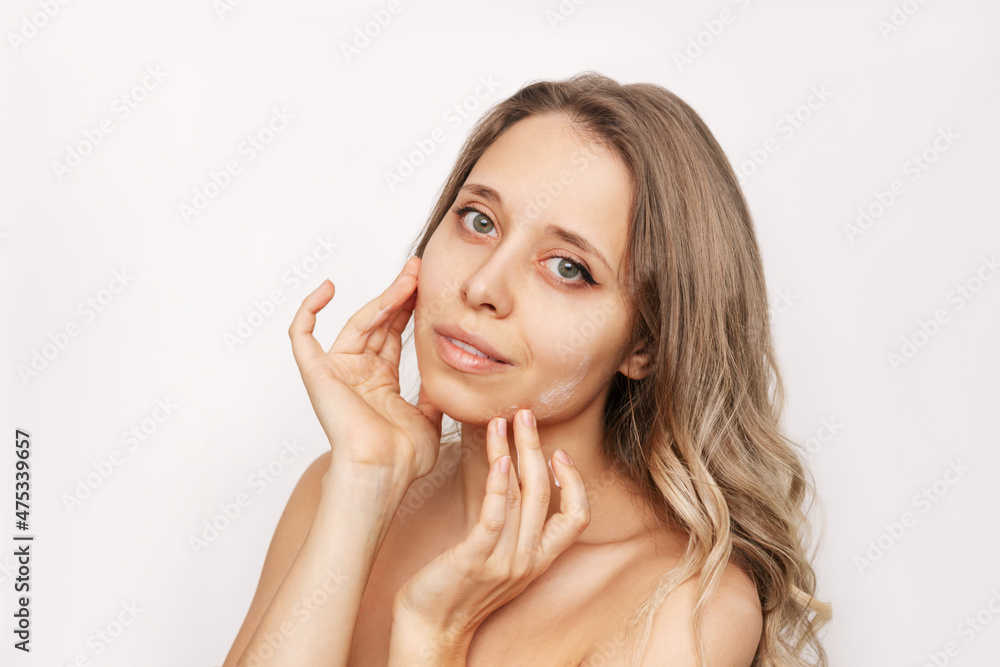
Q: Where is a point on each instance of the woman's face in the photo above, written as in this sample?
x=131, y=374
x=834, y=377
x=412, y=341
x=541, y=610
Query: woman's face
x=508, y=270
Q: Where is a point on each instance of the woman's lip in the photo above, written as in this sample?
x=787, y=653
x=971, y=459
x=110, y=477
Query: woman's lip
x=462, y=360
x=475, y=350
x=480, y=343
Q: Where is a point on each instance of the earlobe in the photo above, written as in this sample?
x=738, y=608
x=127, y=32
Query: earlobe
x=637, y=366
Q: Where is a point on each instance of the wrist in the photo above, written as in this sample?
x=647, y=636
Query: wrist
x=355, y=510
x=414, y=642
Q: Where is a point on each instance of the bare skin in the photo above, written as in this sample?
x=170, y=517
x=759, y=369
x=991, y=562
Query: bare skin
x=570, y=612
x=498, y=272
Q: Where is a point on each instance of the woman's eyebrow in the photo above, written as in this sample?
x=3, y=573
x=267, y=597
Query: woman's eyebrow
x=573, y=238
x=561, y=233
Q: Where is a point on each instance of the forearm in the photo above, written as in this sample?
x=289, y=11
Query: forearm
x=311, y=619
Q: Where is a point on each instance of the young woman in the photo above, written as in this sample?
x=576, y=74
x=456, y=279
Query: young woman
x=589, y=306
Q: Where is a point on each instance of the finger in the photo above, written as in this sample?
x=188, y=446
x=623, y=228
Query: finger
x=354, y=336
x=354, y=339
x=536, y=489
x=497, y=441
x=482, y=540
x=305, y=347
x=387, y=340
x=564, y=527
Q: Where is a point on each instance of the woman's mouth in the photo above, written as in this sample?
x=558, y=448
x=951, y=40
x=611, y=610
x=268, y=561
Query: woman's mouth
x=464, y=357
x=469, y=348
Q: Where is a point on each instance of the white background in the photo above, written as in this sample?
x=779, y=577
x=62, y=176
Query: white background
x=842, y=305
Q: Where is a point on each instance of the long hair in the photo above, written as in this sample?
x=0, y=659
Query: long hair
x=699, y=435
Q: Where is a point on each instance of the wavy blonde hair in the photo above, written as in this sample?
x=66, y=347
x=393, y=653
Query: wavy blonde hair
x=699, y=435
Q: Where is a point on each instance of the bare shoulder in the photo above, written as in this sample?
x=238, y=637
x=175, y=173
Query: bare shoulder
x=731, y=624
x=300, y=510
x=294, y=524
x=289, y=534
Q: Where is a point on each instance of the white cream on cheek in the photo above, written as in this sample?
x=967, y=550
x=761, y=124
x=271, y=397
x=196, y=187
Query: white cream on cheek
x=556, y=397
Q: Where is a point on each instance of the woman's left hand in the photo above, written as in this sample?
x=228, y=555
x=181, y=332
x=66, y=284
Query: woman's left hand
x=436, y=612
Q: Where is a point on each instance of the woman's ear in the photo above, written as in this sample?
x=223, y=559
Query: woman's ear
x=637, y=365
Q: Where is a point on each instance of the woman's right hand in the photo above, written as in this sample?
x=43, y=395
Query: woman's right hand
x=354, y=387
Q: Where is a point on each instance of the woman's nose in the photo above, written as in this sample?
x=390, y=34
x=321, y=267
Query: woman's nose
x=489, y=284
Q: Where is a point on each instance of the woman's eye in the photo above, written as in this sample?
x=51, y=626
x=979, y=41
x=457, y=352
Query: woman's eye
x=475, y=220
x=568, y=270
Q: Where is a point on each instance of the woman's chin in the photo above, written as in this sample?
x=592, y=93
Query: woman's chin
x=465, y=406
x=468, y=412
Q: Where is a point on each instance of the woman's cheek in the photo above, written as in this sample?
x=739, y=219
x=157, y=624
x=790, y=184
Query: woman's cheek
x=565, y=391
x=437, y=298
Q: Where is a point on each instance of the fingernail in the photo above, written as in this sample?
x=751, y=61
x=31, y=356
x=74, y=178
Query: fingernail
x=554, y=474
x=527, y=418
x=505, y=464
x=564, y=457
x=502, y=426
